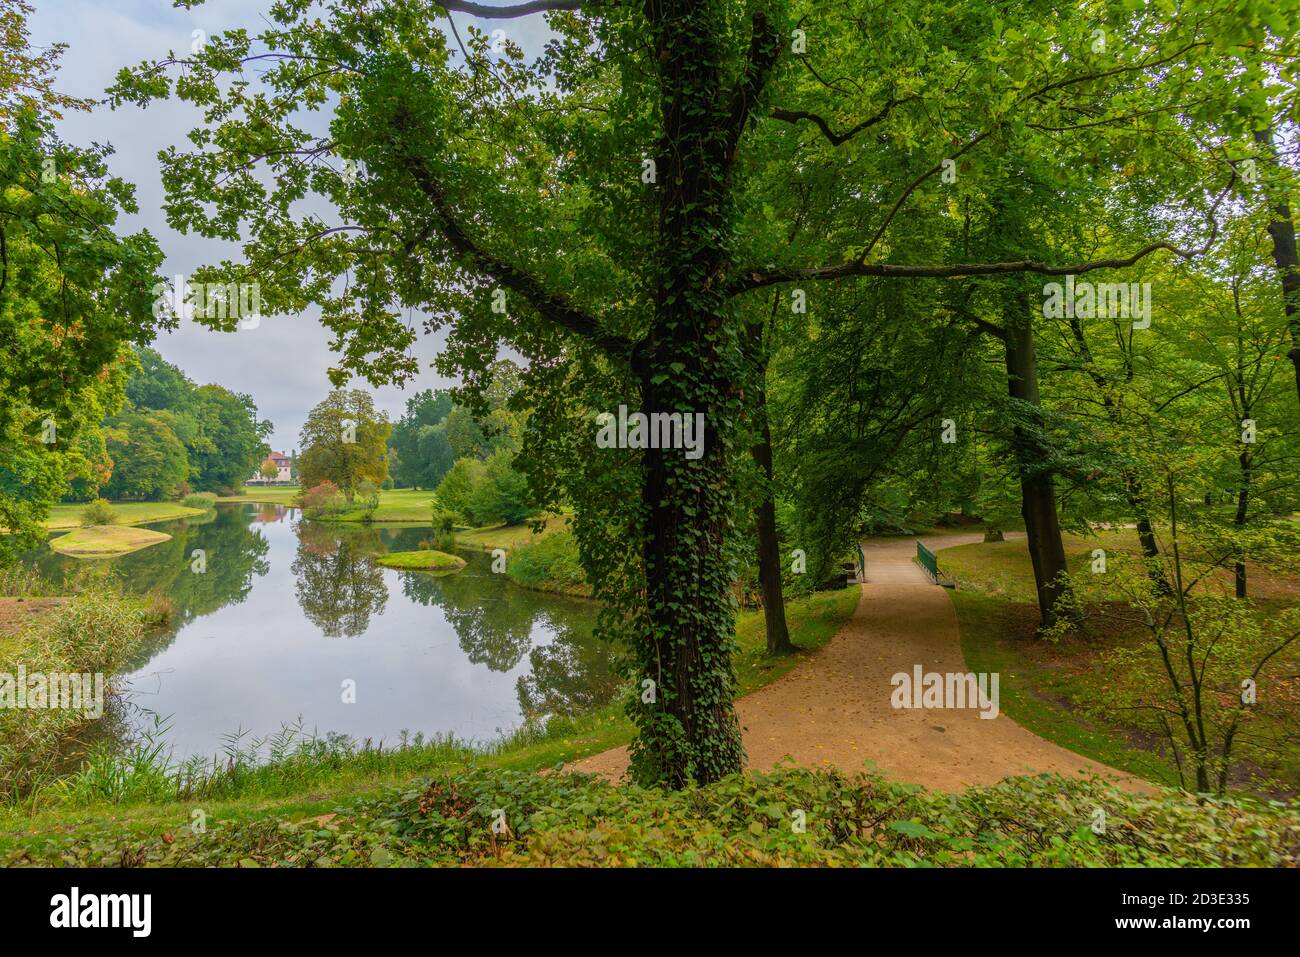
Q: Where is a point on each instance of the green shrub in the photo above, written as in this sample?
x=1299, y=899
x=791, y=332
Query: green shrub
x=444, y=529
x=98, y=512
x=549, y=564
x=94, y=632
x=204, y=500
x=366, y=499
x=456, y=491
x=788, y=817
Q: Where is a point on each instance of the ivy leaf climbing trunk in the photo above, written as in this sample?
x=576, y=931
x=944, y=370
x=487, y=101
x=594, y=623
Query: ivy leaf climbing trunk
x=693, y=363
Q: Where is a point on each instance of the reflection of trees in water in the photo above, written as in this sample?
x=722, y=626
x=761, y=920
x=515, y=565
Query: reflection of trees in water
x=567, y=677
x=338, y=587
x=491, y=630
x=340, y=590
x=233, y=552
x=494, y=623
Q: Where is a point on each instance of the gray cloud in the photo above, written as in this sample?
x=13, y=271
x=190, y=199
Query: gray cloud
x=282, y=363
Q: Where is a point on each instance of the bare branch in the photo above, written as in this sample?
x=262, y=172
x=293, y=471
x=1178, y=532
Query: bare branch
x=485, y=12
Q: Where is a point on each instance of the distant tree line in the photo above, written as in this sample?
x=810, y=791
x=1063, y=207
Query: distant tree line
x=171, y=437
x=465, y=453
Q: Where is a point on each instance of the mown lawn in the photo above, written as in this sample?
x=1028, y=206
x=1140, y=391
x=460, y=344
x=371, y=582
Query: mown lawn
x=126, y=513
x=269, y=494
x=407, y=505
x=426, y=559
x=103, y=541
x=1054, y=689
x=507, y=536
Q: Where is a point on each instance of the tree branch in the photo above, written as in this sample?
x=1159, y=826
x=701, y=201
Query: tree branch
x=795, y=116
x=756, y=279
x=764, y=49
x=485, y=12
x=911, y=188
x=746, y=280
x=556, y=308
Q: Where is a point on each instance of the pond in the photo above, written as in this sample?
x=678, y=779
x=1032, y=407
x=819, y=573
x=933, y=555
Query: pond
x=283, y=617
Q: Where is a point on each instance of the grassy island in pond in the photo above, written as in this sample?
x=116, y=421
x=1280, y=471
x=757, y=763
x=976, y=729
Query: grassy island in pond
x=424, y=560
x=102, y=541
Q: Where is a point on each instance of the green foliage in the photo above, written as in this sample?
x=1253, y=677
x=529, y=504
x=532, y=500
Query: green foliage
x=486, y=493
x=235, y=441
x=203, y=500
x=455, y=493
x=93, y=632
x=502, y=494
x=223, y=438
x=344, y=441
x=444, y=528
x=740, y=821
x=98, y=512
x=549, y=564
x=501, y=198
x=149, y=460
x=421, y=452
x=73, y=293
x=1209, y=661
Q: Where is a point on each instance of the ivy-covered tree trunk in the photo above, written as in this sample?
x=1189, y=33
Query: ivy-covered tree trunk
x=1038, y=493
x=691, y=364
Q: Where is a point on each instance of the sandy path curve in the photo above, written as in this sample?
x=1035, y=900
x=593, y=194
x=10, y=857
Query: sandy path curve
x=834, y=709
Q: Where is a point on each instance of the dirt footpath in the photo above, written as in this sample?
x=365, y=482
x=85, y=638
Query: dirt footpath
x=834, y=709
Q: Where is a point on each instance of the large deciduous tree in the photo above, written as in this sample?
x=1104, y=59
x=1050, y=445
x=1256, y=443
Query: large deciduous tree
x=607, y=210
x=344, y=441
x=73, y=291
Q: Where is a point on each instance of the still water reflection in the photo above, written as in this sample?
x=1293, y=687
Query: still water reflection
x=288, y=611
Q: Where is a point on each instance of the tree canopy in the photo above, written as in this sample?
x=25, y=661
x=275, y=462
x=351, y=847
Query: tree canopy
x=73, y=291
x=677, y=197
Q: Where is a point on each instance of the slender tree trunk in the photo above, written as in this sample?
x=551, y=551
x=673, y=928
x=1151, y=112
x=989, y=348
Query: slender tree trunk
x=1239, y=519
x=769, y=548
x=1281, y=229
x=1146, y=532
x=1037, y=490
x=1132, y=481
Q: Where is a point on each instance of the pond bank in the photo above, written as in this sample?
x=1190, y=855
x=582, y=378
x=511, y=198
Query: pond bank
x=329, y=776
x=124, y=513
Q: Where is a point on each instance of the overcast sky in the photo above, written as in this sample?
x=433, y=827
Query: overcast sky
x=282, y=362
